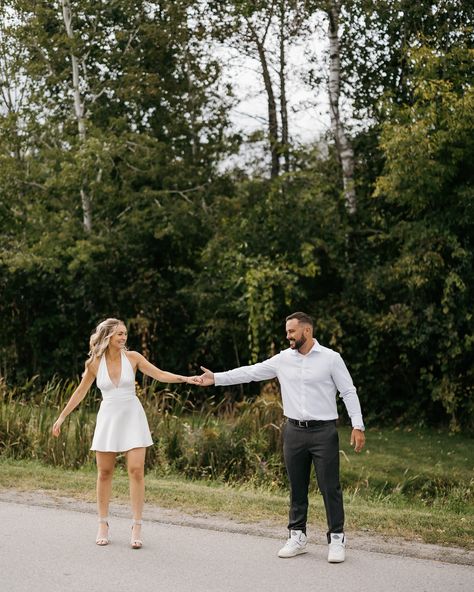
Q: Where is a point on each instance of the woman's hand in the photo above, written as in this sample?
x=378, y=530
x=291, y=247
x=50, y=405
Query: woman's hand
x=194, y=380
x=57, y=426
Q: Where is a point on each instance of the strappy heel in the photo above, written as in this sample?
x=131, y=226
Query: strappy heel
x=102, y=541
x=136, y=543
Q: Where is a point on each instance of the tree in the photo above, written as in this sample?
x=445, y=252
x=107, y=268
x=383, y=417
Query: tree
x=154, y=115
x=343, y=145
x=79, y=107
x=275, y=251
x=422, y=287
x=377, y=38
x=264, y=31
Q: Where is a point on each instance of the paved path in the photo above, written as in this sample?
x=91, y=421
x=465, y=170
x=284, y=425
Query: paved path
x=52, y=549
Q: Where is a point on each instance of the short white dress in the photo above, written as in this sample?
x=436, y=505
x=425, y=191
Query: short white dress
x=121, y=422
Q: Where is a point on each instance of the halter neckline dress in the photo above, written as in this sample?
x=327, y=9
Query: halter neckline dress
x=121, y=421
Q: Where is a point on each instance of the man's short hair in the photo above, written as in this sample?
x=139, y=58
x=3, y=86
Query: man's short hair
x=301, y=317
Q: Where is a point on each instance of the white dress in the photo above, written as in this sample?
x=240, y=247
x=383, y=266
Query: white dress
x=121, y=422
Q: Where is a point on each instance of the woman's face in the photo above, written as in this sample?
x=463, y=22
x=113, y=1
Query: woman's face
x=119, y=338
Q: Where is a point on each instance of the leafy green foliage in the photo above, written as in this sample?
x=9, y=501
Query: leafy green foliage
x=424, y=288
x=203, y=264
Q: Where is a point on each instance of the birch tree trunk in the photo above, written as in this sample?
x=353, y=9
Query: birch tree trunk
x=343, y=145
x=283, y=100
x=79, y=110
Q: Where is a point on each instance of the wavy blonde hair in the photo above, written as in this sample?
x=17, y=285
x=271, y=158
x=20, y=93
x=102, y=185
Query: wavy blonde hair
x=100, y=339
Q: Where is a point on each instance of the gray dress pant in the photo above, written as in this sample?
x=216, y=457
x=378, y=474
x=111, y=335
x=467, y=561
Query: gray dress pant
x=318, y=445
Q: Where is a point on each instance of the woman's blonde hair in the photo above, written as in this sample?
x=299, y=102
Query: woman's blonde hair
x=100, y=339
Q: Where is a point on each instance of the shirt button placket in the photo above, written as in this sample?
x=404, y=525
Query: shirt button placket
x=303, y=389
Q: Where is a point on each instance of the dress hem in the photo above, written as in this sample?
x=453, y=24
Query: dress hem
x=122, y=449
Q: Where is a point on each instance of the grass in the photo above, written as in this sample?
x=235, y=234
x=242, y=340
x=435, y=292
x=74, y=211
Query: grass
x=432, y=467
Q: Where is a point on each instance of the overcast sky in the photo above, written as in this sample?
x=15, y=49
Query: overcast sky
x=307, y=108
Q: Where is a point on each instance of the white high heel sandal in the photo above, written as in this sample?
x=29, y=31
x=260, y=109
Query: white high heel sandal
x=136, y=543
x=102, y=541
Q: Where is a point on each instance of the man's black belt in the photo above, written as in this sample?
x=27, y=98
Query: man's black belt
x=312, y=423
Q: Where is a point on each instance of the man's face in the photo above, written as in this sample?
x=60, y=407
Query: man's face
x=297, y=333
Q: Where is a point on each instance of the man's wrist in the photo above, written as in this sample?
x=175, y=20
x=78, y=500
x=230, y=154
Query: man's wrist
x=359, y=427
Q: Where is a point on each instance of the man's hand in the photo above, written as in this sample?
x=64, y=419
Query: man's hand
x=357, y=439
x=207, y=378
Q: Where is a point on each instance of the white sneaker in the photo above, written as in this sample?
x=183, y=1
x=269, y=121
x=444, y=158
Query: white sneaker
x=337, y=548
x=295, y=545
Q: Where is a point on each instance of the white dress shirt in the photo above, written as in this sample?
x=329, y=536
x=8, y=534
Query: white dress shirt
x=309, y=383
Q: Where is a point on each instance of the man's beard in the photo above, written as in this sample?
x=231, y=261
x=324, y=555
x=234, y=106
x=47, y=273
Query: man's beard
x=298, y=343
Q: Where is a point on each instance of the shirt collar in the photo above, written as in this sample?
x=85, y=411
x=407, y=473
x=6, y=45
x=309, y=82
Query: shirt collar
x=316, y=347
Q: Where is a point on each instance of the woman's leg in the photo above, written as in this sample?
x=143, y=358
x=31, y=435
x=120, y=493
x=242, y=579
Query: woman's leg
x=136, y=475
x=105, y=471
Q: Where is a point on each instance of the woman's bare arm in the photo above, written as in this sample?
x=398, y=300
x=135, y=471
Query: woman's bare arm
x=162, y=375
x=76, y=397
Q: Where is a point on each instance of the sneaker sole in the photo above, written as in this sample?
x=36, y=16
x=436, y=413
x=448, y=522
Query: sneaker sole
x=336, y=560
x=295, y=554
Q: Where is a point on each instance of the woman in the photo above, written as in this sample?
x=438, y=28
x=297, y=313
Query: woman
x=121, y=425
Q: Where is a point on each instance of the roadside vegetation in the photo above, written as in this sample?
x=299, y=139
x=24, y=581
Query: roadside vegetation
x=217, y=457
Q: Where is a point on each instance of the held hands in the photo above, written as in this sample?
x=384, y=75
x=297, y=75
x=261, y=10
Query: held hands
x=206, y=379
x=194, y=380
x=357, y=439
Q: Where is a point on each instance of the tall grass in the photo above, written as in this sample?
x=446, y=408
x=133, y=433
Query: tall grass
x=26, y=419
x=240, y=443
x=210, y=440
x=216, y=440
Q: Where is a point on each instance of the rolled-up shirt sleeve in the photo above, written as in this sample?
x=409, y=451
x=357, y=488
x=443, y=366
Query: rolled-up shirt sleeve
x=347, y=391
x=262, y=371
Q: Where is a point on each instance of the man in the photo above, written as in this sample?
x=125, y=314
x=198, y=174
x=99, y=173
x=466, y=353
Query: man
x=310, y=376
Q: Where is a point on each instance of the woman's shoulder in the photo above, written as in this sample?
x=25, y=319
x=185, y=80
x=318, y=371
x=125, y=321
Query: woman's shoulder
x=134, y=358
x=94, y=366
x=133, y=355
